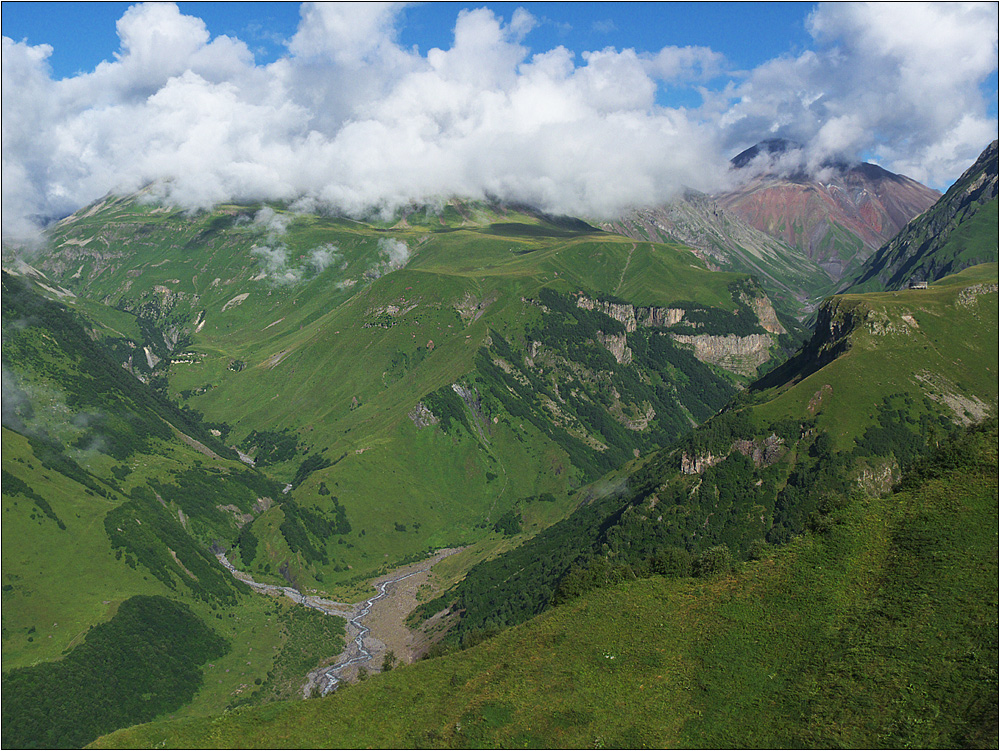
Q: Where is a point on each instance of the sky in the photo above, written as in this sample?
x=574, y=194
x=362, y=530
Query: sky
x=579, y=108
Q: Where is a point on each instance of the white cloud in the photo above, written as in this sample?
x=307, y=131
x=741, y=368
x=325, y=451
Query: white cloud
x=351, y=120
x=900, y=80
x=322, y=257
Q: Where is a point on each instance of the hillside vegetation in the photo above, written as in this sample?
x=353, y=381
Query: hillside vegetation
x=884, y=379
x=877, y=630
x=115, y=609
x=414, y=380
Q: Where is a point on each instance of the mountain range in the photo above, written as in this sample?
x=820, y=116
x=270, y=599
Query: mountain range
x=676, y=507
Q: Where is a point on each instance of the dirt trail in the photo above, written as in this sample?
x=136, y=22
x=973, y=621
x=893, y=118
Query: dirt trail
x=374, y=625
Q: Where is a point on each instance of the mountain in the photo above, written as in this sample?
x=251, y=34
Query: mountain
x=814, y=566
x=432, y=372
x=724, y=241
x=960, y=230
x=325, y=399
x=837, y=217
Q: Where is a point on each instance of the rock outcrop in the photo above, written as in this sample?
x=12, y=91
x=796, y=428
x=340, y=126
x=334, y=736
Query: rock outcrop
x=632, y=317
x=737, y=354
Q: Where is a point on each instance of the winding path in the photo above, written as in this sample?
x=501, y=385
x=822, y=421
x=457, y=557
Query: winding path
x=356, y=652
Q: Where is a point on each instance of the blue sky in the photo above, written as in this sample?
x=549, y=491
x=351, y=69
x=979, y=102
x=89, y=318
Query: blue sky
x=584, y=108
x=83, y=34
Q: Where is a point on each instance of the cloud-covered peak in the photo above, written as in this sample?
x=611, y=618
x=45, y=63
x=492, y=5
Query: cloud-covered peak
x=349, y=119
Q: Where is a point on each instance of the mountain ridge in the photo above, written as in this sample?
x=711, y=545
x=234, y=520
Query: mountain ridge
x=837, y=214
x=958, y=231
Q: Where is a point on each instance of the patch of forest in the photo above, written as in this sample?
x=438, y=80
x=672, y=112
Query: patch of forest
x=142, y=663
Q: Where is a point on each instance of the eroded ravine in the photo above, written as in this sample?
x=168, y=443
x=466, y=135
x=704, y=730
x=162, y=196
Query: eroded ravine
x=362, y=644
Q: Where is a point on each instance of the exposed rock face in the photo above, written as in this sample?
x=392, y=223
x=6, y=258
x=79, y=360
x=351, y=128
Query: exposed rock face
x=470, y=308
x=695, y=465
x=737, y=354
x=766, y=314
x=616, y=345
x=422, y=417
x=660, y=317
x=762, y=451
x=630, y=316
x=874, y=481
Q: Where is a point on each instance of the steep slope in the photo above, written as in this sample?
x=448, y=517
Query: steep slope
x=884, y=377
x=726, y=242
x=960, y=230
x=112, y=499
x=838, y=218
x=421, y=377
x=877, y=629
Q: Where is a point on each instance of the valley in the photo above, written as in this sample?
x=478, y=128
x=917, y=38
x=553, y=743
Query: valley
x=420, y=469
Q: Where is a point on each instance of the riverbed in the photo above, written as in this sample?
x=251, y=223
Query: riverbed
x=374, y=625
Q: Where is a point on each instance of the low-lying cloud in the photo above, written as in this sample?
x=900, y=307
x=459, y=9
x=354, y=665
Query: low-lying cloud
x=395, y=251
x=350, y=120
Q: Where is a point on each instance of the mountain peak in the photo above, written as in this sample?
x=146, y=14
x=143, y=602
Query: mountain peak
x=768, y=146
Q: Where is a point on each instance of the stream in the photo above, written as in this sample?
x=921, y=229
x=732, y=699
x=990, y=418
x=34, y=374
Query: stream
x=356, y=652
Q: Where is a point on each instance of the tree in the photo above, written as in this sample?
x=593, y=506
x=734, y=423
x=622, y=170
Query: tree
x=389, y=661
x=716, y=560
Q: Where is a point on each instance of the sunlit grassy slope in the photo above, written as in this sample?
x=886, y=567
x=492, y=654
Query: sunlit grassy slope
x=333, y=330
x=939, y=343
x=880, y=631
x=86, y=450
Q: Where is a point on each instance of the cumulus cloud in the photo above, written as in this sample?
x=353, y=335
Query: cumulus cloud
x=899, y=81
x=350, y=120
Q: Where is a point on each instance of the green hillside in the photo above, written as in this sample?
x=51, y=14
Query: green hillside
x=960, y=230
x=107, y=535
x=877, y=629
x=884, y=378
x=791, y=278
x=472, y=375
x=416, y=379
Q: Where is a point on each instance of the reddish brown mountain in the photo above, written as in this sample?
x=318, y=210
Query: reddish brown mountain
x=837, y=220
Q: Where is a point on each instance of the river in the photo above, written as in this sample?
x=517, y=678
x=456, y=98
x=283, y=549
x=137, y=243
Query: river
x=362, y=645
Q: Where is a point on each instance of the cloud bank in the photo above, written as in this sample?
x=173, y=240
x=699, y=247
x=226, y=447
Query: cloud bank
x=349, y=120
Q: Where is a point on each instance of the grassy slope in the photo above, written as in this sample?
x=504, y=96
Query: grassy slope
x=62, y=582
x=319, y=361
x=948, y=350
x=880, y=632
x=58, y=582
x=839, y=434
